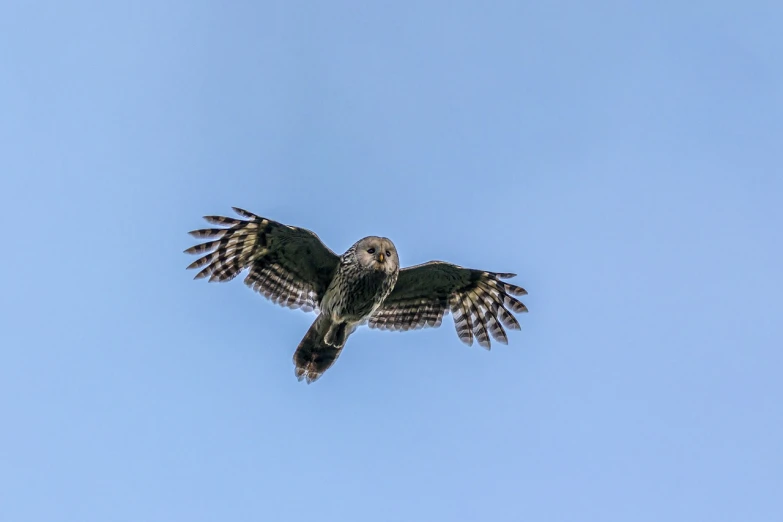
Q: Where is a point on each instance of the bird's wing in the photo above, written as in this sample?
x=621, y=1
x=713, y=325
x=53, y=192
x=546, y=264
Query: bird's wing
x=289, y=265
x=480, y=301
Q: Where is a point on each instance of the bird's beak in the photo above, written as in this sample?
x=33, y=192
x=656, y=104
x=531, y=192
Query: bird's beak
x=381, y=258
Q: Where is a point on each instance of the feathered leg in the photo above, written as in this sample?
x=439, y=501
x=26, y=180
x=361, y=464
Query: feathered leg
x=336, y=335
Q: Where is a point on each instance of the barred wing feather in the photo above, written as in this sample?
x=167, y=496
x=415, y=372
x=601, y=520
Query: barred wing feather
x=480, y=302
x=288, y=265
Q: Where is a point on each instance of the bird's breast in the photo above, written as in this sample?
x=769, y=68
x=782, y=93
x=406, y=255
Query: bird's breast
x=353, y=297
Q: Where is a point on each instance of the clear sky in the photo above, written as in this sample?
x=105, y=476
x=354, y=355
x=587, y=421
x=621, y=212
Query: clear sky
x=623, y=158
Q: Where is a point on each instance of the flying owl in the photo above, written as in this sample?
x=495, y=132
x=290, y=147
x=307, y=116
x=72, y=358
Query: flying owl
x=292, y=267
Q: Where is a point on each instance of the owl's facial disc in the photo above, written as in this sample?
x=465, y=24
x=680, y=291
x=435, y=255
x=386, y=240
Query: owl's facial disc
x=377, y=253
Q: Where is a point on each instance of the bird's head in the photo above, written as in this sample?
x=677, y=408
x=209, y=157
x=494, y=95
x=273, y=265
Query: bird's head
x=377, y=253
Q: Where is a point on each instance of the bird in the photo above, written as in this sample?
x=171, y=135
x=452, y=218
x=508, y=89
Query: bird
x=292, y=267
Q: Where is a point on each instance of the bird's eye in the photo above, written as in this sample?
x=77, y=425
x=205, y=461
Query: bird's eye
x=388, y=253
x=370, y=250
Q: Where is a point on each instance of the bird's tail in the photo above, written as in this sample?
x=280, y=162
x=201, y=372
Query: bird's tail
x=314, y=356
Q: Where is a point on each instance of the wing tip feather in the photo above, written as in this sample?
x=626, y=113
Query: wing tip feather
x=245, y=213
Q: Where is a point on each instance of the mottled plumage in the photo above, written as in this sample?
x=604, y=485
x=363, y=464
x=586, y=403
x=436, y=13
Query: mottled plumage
x=292, y=267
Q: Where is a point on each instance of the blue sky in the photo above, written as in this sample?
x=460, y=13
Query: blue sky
x=623, y=158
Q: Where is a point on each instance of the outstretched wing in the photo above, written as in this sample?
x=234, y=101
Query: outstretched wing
x=480, y=301
x=289, y=265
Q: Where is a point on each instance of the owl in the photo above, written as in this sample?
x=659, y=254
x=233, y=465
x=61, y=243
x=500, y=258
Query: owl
x=292, y=267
